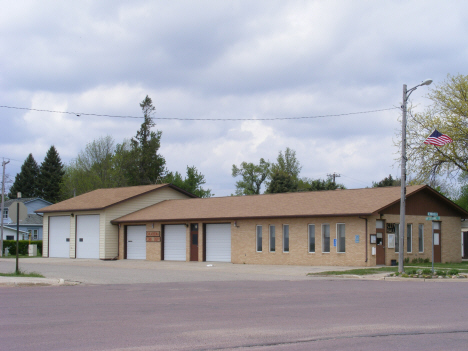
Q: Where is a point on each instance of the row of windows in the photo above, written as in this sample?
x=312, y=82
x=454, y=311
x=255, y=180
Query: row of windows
x=340, y=238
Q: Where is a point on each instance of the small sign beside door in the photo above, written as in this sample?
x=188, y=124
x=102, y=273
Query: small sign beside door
x=156, y=234
x=153, y=239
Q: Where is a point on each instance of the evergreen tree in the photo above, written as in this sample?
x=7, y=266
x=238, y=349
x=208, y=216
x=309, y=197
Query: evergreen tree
x=149, y=165
x=192, y=183
x=51, y=176
x=282, y=183
x=26, y=180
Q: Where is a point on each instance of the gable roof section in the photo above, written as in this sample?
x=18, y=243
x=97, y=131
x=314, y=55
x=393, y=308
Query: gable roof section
x=24, y=200
x=353, y=202
x=103, y=198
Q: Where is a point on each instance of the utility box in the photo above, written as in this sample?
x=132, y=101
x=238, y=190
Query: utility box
x=32, y=249
x=7, y=251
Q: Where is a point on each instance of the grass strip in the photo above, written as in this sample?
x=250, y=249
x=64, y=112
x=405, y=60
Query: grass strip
x=359, y=271
x=22, y=274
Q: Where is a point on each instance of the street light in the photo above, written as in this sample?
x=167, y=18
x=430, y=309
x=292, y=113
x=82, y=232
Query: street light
x=401, y=238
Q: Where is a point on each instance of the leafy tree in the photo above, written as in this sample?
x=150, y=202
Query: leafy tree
x=308, y=184
x=50, y=176
x=192, y=182
x=26, y=180
x=387, y=181
x=252, y=175
x=282, y=183
x=92, y=169
x=287, y=164
x=448, y=113
x=148, y=165
x=462, y=200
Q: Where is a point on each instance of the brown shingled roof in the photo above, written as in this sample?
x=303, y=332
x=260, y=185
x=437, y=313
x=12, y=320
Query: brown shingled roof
x=303, y=204
x=103, y=198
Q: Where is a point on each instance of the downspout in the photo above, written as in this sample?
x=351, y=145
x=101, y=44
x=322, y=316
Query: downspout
x=364, y=218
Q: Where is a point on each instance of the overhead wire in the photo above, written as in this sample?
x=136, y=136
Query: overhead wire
x=79, y=114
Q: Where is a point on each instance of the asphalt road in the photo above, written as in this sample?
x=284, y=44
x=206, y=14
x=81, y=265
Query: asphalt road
x=310, y=314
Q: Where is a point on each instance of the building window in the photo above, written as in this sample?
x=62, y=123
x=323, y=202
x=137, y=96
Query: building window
x=421, y=237
x=397, y=237
x=10, y=237
x=259, y=238
x=5, y=213
x=340, y=236
x=286, y=238
x=409, y=237
x=35, y=234
x=272, y=238
x=311, y=237
x=325, y=237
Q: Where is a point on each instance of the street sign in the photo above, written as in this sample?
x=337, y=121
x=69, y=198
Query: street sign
x=432, y=214
x=435, y=218
x=334, y=242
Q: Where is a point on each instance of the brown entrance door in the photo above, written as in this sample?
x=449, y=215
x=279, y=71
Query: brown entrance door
x=380, y=247
x=437, y=237
x=193, y=242
x=465, y=244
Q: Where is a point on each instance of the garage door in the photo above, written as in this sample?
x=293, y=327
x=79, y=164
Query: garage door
x=175, y=238
x=87, y=236
x=218, y=242
x=136, y=242
x=59, y=236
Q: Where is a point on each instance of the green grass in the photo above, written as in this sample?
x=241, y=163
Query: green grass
x=462, y=267
x=22, y=274
x=359, y=271
x=20, y=256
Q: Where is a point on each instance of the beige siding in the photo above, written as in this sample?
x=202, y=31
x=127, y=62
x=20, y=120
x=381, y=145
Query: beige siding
x=109, y=249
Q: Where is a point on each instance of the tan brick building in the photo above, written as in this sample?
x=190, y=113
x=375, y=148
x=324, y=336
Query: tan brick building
x=357, y=227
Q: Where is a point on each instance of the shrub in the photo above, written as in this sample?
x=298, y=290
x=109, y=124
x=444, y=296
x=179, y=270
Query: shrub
x=453, y=271
x=22, y=246
x=441, y=273
x=426, y=260
x=406, y=260
x=412, y=271
x=426, y=271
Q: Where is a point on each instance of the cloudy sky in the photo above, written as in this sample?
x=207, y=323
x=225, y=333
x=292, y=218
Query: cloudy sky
x=222, y=60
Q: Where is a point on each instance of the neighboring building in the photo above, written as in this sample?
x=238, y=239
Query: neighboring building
x=10, y=233
x=81, y=227
x=357, y=227
x=32, y=224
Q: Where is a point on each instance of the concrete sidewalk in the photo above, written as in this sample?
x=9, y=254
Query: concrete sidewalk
x=30, y=281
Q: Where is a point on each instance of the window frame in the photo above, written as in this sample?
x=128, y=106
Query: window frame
x=329, y=238
x=5, y=213
x=256, y=238
x=421, y=237
x=269, y=238
x=284, y=237
x=409, y=237
x=338, y=239
x=308, y=238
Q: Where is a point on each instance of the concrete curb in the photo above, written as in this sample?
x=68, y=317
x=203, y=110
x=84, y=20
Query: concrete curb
x=30, y=281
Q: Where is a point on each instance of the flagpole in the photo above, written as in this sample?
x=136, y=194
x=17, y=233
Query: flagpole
x=402, y=231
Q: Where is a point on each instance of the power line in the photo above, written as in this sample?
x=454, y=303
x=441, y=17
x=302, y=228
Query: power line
x=79, y=114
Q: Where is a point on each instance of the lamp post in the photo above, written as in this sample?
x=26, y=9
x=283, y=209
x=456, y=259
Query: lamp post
x=401, y=237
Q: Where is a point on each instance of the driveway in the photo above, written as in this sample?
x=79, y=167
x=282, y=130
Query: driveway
x=91, y=271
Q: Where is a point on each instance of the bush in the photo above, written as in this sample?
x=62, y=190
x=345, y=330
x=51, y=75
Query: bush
x=426, y=260
x=406, y=260
x=453, y=271
x=441, y=273
x=412, y=271
x=22, y=246
x=427, y=271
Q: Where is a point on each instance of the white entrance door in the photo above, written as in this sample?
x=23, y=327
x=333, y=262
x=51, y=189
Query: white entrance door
x=87, y=236
x=218, y=242
x=136, y=242
x=59, y=236
x=175, y=238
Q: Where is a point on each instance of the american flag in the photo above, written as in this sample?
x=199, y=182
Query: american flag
x=437, y=139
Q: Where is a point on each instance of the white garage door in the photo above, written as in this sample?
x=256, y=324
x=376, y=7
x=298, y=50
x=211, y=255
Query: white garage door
x=87, y=236
x=175, y=242
x=136, y=242
x=59, y=236
x=218, y=242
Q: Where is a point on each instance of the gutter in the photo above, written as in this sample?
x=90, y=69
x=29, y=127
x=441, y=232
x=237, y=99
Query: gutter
x=364, y=218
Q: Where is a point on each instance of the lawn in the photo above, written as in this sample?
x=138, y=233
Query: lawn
x=21, y=256
x=359, y=271
x=22, y=274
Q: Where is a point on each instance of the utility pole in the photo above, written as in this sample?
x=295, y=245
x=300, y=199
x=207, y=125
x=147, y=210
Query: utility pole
x=334, y=175
x=3, y=204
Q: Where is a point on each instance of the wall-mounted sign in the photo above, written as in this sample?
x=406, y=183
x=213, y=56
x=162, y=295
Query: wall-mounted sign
x=373, y=238
x=157, y=234
x=334, y=242
x=153, y=239
x=435, y=218
x=356, y=239
x=390, y=227
x=432, y=214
